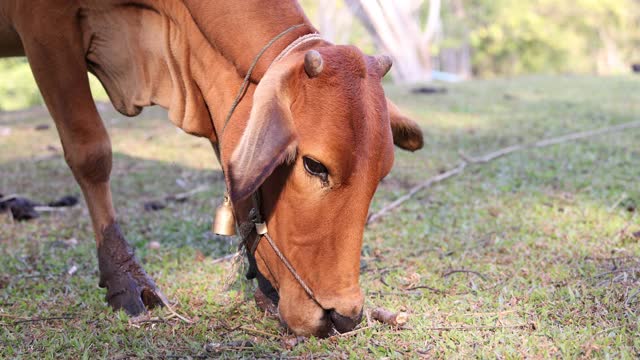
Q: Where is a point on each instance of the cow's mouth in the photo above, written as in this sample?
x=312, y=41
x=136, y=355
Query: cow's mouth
x=267, y=299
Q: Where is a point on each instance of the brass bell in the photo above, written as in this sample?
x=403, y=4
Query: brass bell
x=225, y=222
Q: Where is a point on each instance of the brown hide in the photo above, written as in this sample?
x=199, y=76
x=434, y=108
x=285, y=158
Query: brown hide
x=174, y=65
x=191, y=57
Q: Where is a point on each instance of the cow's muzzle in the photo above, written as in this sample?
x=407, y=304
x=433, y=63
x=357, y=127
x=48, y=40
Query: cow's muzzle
x=267, y=300
x=344, y=323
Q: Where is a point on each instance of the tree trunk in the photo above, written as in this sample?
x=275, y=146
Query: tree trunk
x=395, y=28
x=334, y=22
x=464, y=63
x=608, y=60
x=326, y=13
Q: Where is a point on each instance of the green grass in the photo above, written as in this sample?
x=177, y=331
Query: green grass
x=547, y=234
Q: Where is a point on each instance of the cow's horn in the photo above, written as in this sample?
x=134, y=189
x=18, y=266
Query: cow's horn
x=313, y=63
x=384, y=63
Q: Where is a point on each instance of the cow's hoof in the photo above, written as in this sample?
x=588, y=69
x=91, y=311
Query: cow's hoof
x=128, y=285
x=133, y=294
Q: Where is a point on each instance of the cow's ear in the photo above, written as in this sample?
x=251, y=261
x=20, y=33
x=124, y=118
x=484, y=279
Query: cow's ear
x=407, y=134
x=268, y=140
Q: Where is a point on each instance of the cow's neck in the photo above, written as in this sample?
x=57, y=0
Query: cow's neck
x=240, y=29
x=199, y=50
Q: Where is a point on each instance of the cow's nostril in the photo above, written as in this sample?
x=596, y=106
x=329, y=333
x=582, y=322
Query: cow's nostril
x=344, y=323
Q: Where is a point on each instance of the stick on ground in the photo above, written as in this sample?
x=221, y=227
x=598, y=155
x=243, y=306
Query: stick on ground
x=390, y=318
x=531, y=326
x=469, y=160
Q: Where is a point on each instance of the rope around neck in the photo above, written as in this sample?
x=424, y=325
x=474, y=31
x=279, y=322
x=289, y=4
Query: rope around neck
x=247, y=77
x=261, y=225
x=299, y=41
x=258, y=223
x=288, y=265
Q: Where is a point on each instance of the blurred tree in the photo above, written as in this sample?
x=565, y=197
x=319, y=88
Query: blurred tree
x=399, y=29
x=494, y=37
x=513, y=36
x=335, y=21
x=453, y=53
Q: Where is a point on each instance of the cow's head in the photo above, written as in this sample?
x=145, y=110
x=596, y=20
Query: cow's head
x=319, y=140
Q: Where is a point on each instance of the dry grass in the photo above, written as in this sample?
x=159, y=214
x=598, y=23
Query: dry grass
x=535, y=255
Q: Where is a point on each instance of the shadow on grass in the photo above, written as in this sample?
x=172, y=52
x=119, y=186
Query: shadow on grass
x=548, y=230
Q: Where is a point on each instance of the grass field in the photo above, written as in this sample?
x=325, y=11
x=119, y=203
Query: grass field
x=535, y=255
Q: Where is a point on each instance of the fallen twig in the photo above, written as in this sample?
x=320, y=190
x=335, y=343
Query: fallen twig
x=469, y=160
x=472, y=328
x=174, y=313
x=550, y=141
x=618, y=202
x=613, y=272
x=384, y=281
x=488, y=313
x=396, y=293
x=137, y=322
x=436, y=179
x=258, y=332
x=32, y=320
x=9, y=197
x=161, y=203
x=613, y=258
x=490, y=156
x=451, y=272
x=631, y=297
x=49, y=209
x=426, y=287
x=12, y=316
x=226, y=258
x=607, y=330
x=390, y=318
x=37, y=276
x=185, y=195
x=232, y=345
x=353, y=332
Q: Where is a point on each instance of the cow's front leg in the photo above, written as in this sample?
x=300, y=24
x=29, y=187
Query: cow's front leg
x=57, y=61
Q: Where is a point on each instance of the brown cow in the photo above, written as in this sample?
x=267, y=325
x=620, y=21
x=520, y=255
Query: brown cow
x=311, y=138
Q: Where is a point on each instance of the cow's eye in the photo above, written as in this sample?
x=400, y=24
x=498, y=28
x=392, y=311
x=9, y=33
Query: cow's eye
x=315, y=168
